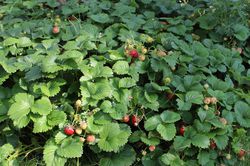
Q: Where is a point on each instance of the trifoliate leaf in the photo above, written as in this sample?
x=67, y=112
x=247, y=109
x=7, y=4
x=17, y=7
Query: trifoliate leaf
x=42, y=106
x=170, y=117
x=24, y=42
x=167, y=131
x=5, y=151
x=242, y=113
x=125, y=157
x=121, y=67
x=19, y=111
x=194, y=97
x=112, y=137
x=70, y=148
x=180, y=143
x=50, y=156
x=100, y=18
x=152, y=122
x=201, y=141
x=241, y=32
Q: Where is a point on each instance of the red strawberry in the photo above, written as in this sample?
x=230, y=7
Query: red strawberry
x=170, y=95
x=90, y=138
x=182, y=130
x=125, y=119
x=151, y=148
x=133, y=53
x=241, y=153
x=212, y=144
x=56, y=30
x=69, y=130
x=135, y=120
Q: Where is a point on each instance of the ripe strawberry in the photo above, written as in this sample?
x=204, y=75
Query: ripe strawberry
x=125, y=119
x=69, y=130
x=151, y=148
x=82, y=139
x=212, y=144
x=90, y=138
x=133, y=53
x=182, y=130
x=78, y=130
x=239, y=50
x=56, y=30
x=242, y=153
x=135, y=120
x=83, y=125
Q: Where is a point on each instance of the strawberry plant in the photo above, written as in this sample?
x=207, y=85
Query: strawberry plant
x=120, y=83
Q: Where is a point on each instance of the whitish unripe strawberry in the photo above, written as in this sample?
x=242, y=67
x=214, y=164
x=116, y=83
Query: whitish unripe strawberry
x=206, y=107
x=213, y=100
x=142, y=57
x=82, y=139
x=228, y=156
x=207, y=100
x=223, y=121
x=78, y=103
x=78, y=130
x=83, y=125
x=206, y=86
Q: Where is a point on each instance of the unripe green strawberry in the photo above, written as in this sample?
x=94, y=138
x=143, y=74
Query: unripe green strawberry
x=206, y=107
x=167, y=80
x=206, y=86
x=149, y=39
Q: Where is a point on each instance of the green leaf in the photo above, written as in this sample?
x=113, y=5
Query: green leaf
x=5, y=151
x=170, y=117
x=40, y=124
x=125, y=157
x=56, y=118
x=203, y=157
x=242, y=113
x=24, y=42
x=172, y=160
x=121, y=67
x=112, y=137
x=201, y=141
x=127, y=82
x=70, y=148
x=152, y=122
x=241, y=32
x=19, y=111
x=59, y=137
x=100, y=18
x=181, y=143
x=50, y=156
x=150, y=141
x=221, y=141
x=42, y=106
x=194, y=97
x=10, y=41
x=167, y=131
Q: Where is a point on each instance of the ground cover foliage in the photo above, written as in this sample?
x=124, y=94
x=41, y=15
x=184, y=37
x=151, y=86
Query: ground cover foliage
x=120, y=83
